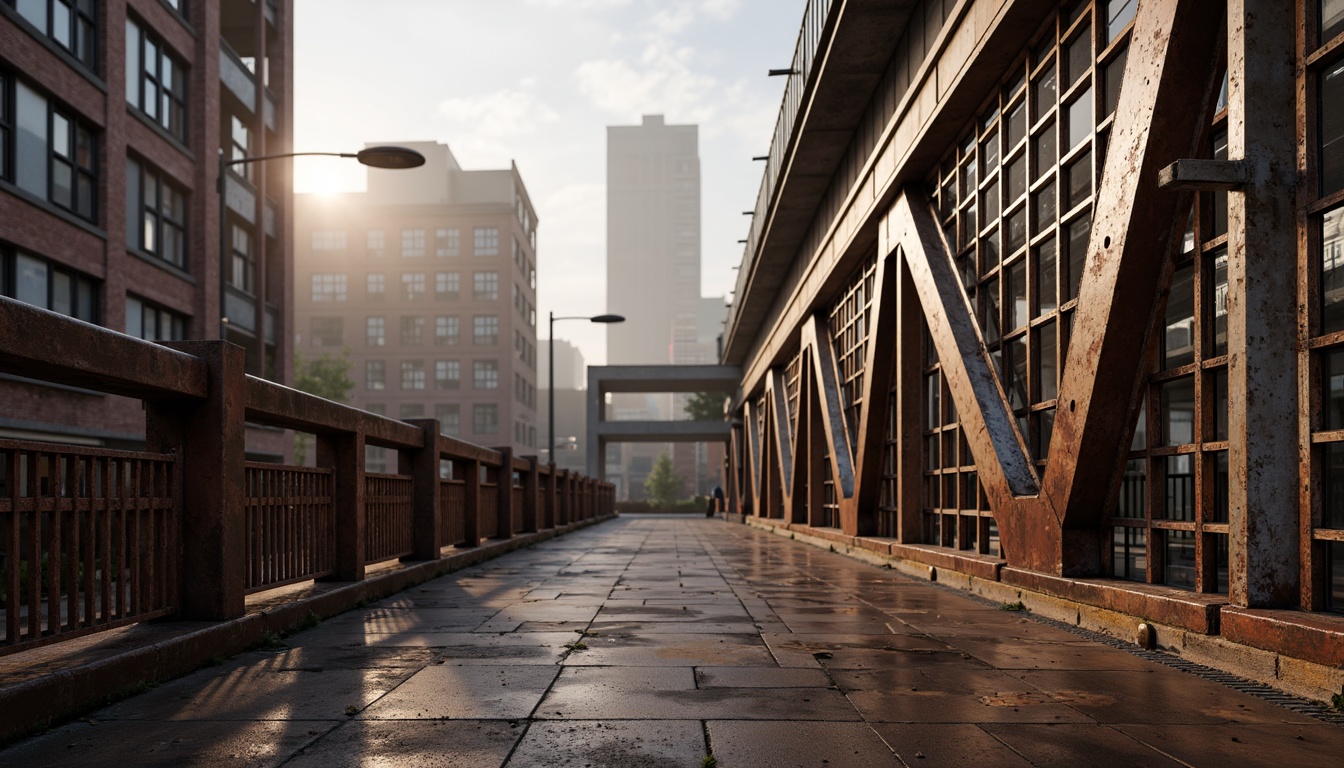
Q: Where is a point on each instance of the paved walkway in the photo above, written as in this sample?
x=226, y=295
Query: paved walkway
x=657, y=642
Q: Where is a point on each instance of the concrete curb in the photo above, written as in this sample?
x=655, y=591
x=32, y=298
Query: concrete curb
x=36, y=704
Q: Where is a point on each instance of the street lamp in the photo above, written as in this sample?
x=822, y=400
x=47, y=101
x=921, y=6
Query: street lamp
x=550, y=391
x=392, y=158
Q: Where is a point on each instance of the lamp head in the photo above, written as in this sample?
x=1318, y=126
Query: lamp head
x=607, y=319
x=395, y=158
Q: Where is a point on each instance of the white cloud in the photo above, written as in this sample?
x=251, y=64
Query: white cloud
x=508, y=112
x=662, y=81
x=580, y=5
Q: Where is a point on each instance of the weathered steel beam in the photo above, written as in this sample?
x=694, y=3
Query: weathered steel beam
x=1173, y=62
x=816, y=339
x=1262, y=327
x=860, y=510
x=1195, y=175
x=1001, y=457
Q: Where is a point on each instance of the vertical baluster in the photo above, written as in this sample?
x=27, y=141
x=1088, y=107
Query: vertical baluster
x=70, y=556
x=13, y=550
x=34, y=497
x=88, y=538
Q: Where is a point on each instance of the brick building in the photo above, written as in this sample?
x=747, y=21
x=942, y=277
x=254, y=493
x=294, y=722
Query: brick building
x=112, y=114
x=428, y=279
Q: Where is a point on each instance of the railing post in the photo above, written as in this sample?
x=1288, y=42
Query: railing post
x=207, y=436
x=423, y=467
x=343, y=454
x=504, y=497
x=471, y=503
x=548, y=519
x=566, y=502
x=531, y=484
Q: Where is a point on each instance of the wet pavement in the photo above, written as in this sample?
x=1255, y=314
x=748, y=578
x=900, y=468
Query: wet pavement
x=661, y=642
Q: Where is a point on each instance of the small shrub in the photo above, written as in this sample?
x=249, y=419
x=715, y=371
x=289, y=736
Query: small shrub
x=1018, y=606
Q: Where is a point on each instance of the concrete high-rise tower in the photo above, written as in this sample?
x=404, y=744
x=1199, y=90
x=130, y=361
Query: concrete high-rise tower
x=653, y=242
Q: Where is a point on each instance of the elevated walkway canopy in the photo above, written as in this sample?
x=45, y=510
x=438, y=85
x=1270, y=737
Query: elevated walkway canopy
x=653, y=378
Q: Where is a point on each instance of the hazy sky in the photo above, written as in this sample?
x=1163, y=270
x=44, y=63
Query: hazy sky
x=537, y=82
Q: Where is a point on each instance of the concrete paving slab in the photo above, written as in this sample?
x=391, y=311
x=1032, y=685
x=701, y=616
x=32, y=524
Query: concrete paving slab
x=259, y=744
x=688, y=621
x=761, y=677
x=666, y=649
x=786, y=744
x=253, y=692
x=643, y=744
x=428, y=743
x=670, y=694
x=465, y=692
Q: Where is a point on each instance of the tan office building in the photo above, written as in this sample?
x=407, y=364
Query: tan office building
x=428, y=280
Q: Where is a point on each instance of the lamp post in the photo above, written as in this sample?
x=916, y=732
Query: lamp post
x=550, y=365
x=393, y=158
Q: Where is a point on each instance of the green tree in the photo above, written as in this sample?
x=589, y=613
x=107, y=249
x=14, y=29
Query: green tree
x=663, y=483
x=328, y=376
x=706, y=406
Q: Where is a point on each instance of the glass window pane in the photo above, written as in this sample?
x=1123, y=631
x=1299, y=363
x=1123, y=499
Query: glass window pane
x=1332, y=128
x=1219, y=302
x=1078, y=180
x=991, y=202
x=1078, y=54
x=1043, y=151
x=1016, y=176
x=1332, y=381
x=1080, y=230
x=1017, y=294
x=31, y=283
x=1017, y=231
x=1118, y=14
x=1334, y=576
x=1332, y=23
x=1114, y=75
x=1043, y=91
x=989, y=308
x=1180, y=495
x=1140, y=440
x=1015, y=372
x=1220, y=404
x=1133, y=499
x=1129, y=558
x=1332, y=485
x=1332, y=271
x=1017, y=123
x=1045, y=429
x=989, y=152
x=62, y=293
x=1178, y=341
x=1220, y=487
x=1180, y=559
x=1046, y=269
x=1043, y=209
x=1047, y=368
x=1178, y=411
x=1078, y=115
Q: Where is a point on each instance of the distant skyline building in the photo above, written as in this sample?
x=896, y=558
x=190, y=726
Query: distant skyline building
x=653, y=240
x=429, y=279
x=653, y=279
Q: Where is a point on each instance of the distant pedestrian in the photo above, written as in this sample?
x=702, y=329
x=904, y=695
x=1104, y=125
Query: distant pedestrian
x=715, y=501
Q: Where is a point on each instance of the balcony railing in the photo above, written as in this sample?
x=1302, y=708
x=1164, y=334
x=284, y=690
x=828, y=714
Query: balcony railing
x=92, y=539
x=804, y=56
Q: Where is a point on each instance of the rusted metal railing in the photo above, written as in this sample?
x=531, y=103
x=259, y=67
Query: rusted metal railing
x=387, y=505
x=86, y=540
x=291, y=530
x=93, y=538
